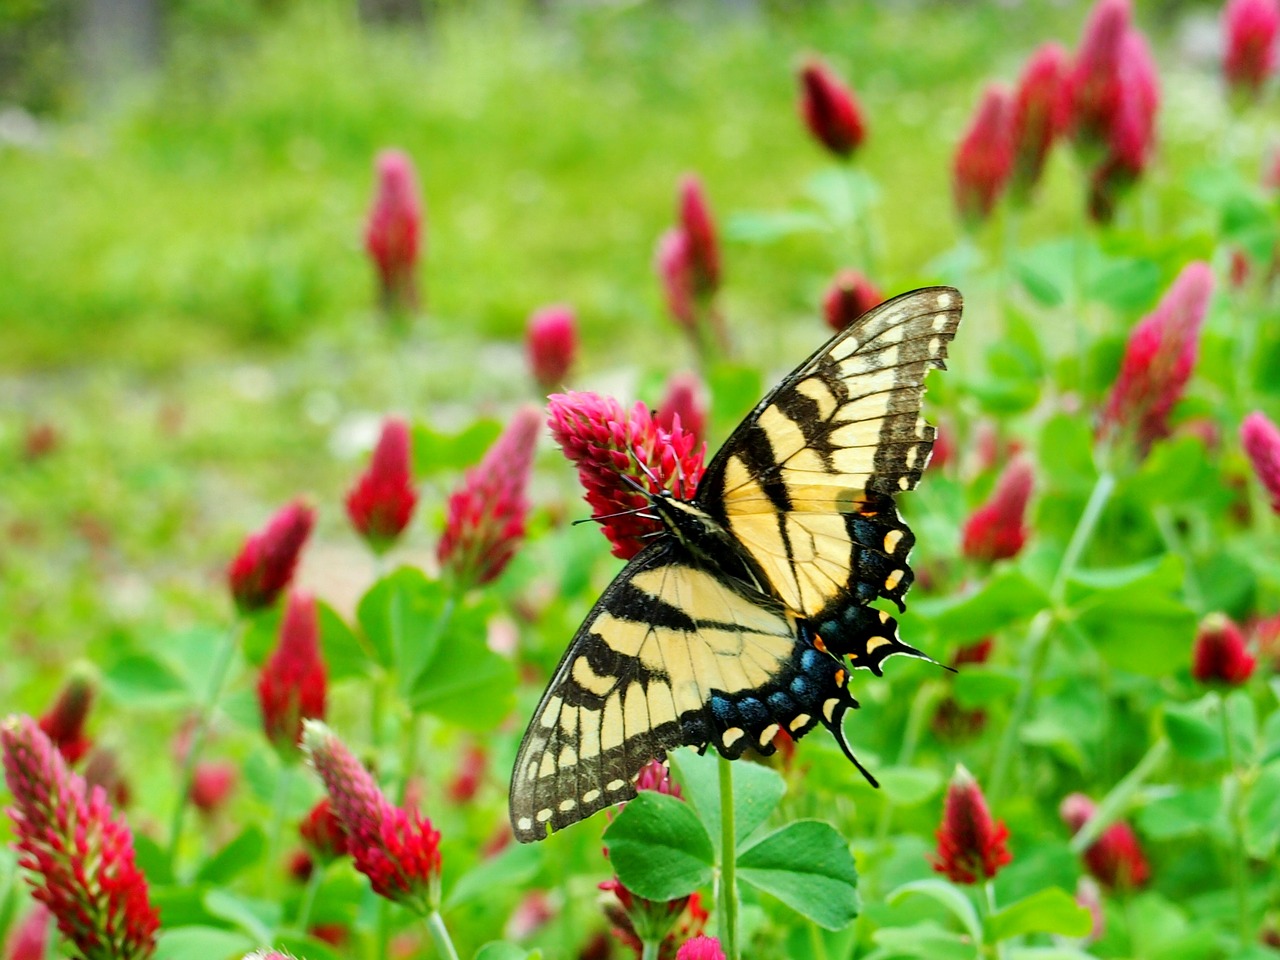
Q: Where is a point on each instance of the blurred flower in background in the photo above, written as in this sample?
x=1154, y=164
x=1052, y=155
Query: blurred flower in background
x=551, y=343
x=1039, y=116
x=1220, y=653
x=1115, y=859
x=984, y=158
x=382, y=502
x=63, y=723
x=850, y=296
x=265, y=564
x=997, y=530
x=394, y=236
x=293, y=684
x=1261, y=440
x=1250, y=29
x=830, y=110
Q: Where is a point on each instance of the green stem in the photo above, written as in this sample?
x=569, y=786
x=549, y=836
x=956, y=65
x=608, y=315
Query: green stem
x=382, y=930
x=440, y=936
x=1174, y=543
x=728, y=865
x=1037, y=645
x=408, y=752
x=314, y=883
x=1114, y=803
x=989, y=888
x=1240, y=865
x=279, y=813
x=221, y=667
x=818, y=943
x=859, y=222
x=649, y=950
x=409, y=722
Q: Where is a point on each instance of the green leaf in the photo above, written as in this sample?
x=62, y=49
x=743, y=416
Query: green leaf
x=1048, y=911
x=1003, y=600
x=345, y=653
x=1262, y=815
x=1126, y=284
x=1180, y=814
x=236, y=857
x=257, y=918
x=512, y=868
x=757, y=790
x=207, y=943
x=141, y=681
x=909, y=786
x=437, y=452
x=764, y=227
x=1066, y=452
x=658, y=847
x=1191, y=730
x=926, y=940
x=308, y=947
x=807, y=865
x=979, y=685
x=151, y=859
x=498, y=950
x=948, y=897
x=398, y=615
x=1242, y=720
x=465, y=682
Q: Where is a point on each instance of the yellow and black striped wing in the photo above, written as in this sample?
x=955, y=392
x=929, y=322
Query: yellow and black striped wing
x=672, y=654
x=806, y=483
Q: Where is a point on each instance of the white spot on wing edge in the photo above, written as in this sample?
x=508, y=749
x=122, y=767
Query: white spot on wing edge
x=615, y=785
x=524, y=824
x=591, y=796
x=544, y=815
x=732, y=736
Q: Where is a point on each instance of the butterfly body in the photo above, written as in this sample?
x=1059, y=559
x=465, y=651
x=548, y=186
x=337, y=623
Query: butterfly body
x=741, y=619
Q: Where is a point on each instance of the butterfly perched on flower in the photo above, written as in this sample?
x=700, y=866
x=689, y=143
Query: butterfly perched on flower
x=740, y=620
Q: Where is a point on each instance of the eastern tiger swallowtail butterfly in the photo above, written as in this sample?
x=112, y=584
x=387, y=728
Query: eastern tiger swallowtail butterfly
x=736, y=622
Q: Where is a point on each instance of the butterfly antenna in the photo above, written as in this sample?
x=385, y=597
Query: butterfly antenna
x=609, y=516
x=648, y=472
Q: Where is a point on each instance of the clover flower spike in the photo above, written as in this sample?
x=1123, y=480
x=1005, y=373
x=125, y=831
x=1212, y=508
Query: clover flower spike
x=830, y=110
x=293, y=684
x=1220, y=654
x=1115, y=859
x=685, y=398
x=1251, y=28
x=266, y=562
x=1261, y=440
x=971, y=845
x=984, y=158
x=997, y=530
x=701, y=948
x=63, y=723
x=1039, y=115
x=551, y=342
x=393, y=233
x=382, y=501
x=848, y=298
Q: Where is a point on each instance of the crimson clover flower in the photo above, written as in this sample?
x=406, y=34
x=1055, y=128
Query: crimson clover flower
x=382, y=502
x=1220, y=654
x=1115, y=859
x=485, y=517
x=830, y=110
x=1250, y=28
x=29, y=939
x=673, y=262
x=1132, y=137
x=971, y=845
x=1039, y=115
x=699, y=228
x=268, y=955
x=850, y=296
x=551, y=342
x=1261, y=440
x=620, y=452
x=1095, y=84
x=396, y=848
x=393, y=233
x=952, y=720
x=469, y=774
x=1158, y=362
x=323, y=833
x=211, y=784
x=265, y=564
x=293, y=682
x=701, y=948
x=63, y=723
x=683, y=406
x=997, y=530
x=984, y=158
x=80, y=856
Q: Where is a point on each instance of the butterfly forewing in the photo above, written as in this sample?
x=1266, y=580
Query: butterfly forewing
x=673, y=654
x=806, y=482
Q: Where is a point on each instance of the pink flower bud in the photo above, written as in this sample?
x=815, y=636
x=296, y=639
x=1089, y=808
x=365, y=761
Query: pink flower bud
x=1039, y=115
x=984, y=158
x=212, y=782
x=674, y=264
x=997, y=530
x=1158, y=362
x=266, y=562
x=80, y=857
x=1095, y=83
x=293, y=682
x=64, y=722
x=551, y=341
x=382, y=502
x=393, y=235
x=1250, y=28
x=29, y=939
x=1132, y=132
x=1220, y=654
x=972, y=846
x=323, y=833
x=830, y=110
x=655, y=776
x=684, y=399
x=485, y=518
x=1115, y=859
x=396, y=848
x=848, y=298
x=700, y=232
x=608, y=443
x=1261, y=440
x=534, y=911
x=701, y=948
x=469, y=775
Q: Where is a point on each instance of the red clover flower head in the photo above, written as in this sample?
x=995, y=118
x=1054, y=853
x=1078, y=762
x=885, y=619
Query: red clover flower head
x=1115, y=859
x=997, y=530
x=382, y=502
x=63, y=723
x=614, y=448
x=266, y=562
x=1261, y=440
x=830, y=110
x=396, y=848
x=551, y=341
x=701, y=948
x=80, y=856
x=29, y=939
x=323, y=833
x=971, y=845
x=1251, y=28
x=673, y=261
x=1220, y=654
x=683, y=406
x=485, y=518
x=699, y=228
x=211, y=784
x=1095, y=83
x=984, y=158
x=393, y=234
x=293, y=683
x=1039, y=115
x=850, y=296
x=1158, y=362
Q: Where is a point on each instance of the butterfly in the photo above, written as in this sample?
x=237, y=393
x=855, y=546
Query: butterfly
x=741, y=620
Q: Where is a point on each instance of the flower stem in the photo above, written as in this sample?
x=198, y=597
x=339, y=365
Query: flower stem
x=649, y=950
x=221, y=667
x=728, y=864
x=1037, y=645
x=314, y=883
x=279, y=812
x=1240, y=864
x=1115, y=801
x=440, y=936
x=859, y=222
x=989, y=888
x=382, y=930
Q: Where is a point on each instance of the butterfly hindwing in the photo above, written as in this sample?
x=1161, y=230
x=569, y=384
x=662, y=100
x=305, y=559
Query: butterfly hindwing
x=672, y=654
x=806, y=482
